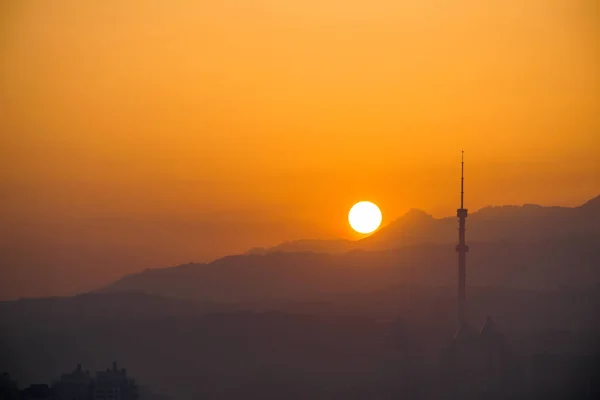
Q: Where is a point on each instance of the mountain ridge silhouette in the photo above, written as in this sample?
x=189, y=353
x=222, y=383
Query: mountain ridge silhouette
x=490, y=223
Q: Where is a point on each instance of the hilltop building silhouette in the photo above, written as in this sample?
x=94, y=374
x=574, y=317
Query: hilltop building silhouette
x=74, y=385
x=9, y=389
x=40, y=391
x=112, y=384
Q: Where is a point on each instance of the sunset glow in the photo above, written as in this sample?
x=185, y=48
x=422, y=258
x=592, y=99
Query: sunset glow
x=197, y=129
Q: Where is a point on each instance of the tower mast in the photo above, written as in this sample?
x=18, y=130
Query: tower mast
x=462, y=248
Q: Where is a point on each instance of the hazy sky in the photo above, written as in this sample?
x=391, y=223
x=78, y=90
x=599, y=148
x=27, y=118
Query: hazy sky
x=142, y=132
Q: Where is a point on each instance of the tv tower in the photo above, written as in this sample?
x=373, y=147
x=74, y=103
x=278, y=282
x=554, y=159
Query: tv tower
x=462, y=247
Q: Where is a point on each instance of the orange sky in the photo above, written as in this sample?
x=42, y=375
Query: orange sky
x=268, y=119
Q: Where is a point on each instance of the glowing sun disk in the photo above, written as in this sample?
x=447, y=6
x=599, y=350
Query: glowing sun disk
x=364, y=217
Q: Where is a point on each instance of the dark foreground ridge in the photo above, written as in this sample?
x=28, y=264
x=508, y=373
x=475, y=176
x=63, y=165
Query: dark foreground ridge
x=393, y=343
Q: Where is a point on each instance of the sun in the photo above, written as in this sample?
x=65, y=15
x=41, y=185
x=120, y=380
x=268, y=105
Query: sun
x=364, y=217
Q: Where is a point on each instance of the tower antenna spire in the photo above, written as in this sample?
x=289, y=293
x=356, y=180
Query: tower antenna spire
x=462, y=179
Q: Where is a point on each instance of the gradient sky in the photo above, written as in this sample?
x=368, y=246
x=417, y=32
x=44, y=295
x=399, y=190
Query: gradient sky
x=142, y=133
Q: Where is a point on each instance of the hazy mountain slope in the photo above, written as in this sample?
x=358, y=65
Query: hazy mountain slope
x=313, y=245
x=535, y=264
x=415, y=226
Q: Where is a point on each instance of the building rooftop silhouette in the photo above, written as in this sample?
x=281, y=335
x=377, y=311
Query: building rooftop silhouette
x=110, y=384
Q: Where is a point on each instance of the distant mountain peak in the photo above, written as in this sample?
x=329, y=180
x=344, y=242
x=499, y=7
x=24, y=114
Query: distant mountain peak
x=413, y=217
x=415, y=213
